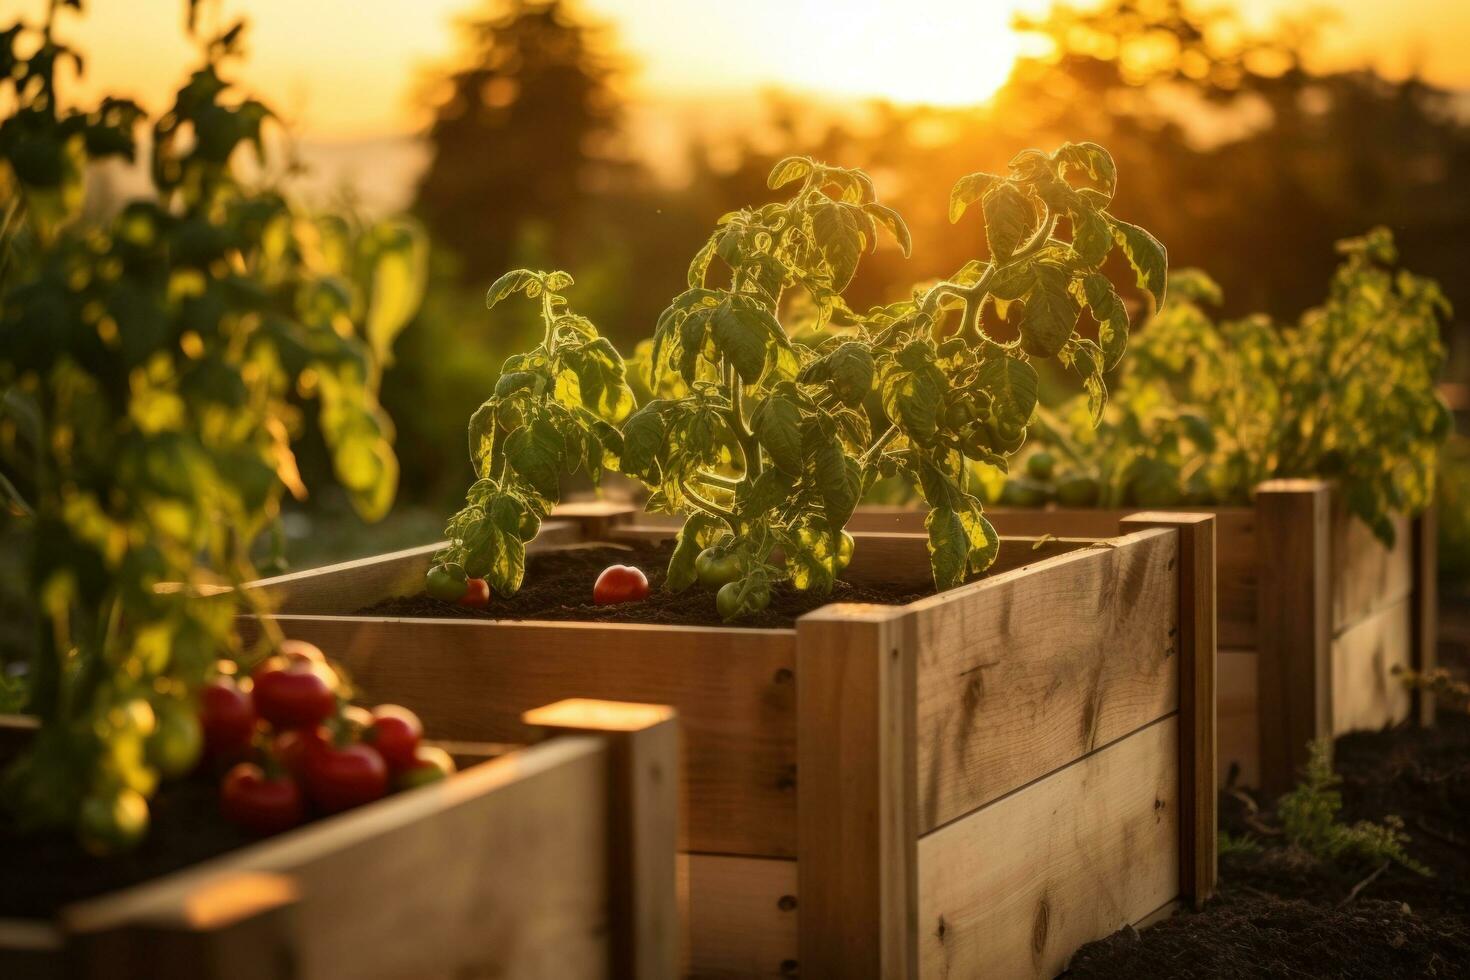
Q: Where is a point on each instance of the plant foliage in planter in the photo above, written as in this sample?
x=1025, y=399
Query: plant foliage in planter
x=153, y=369
x=765, y=443
x=555, y=408
x=1208, y=410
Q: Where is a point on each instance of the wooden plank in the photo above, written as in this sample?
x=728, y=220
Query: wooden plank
x=888, y=558
x=740, y=915
x=1015, y=888
x=1425, y=649
x=734, y=690
x=1198, y=805
x=856, y=792
x=234, y=927
x=517, y=848
x=1366, y=575
x=1366, y=696
x=341, y=589
x=1237, y=727
x=1294, y=671
x=1022, y=673
x=644, y=822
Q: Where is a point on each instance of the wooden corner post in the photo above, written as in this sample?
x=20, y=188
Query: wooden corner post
x=1425, y=655
x=1198, y=818
x=1293, y=625
x=644, y=814
x=856, y=793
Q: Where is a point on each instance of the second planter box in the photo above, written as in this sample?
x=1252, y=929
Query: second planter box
x=976, y=783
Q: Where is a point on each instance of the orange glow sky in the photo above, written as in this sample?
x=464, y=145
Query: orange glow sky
x=345, y=68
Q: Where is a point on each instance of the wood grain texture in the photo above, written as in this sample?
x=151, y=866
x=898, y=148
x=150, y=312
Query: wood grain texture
x=518, y=848
x=1015, y=888
x=1366, y=695
x=1294, y=672
x=1022, y=673
x=856, y=792
x=740, y=915
x=734, y=690
x=1198, y=804
x=1366, y=574
x=1237, y=727
x=334, y=590
x=643, y=824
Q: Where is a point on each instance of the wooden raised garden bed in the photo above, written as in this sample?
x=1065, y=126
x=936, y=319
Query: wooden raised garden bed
x=553, y=860
x=1315, y=615
x=973, y=784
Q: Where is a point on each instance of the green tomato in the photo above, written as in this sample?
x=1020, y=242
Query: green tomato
x=728, y=600
x=112, y=822
x=1021, y=492
x=1041, y=465
x=1078, y=491
x=177, y=740
x=717, y=567
x=844, y=552
x=446, y=582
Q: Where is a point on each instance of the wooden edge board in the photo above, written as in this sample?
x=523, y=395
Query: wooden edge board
x=342, y=830
x=741, y=915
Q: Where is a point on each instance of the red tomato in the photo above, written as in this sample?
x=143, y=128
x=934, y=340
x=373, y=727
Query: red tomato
x=430, y=765
x=620, y=583
x=476, y=594
x=289, y=749
x=295, y=692
x=395, y=733
x=343, y=776
x=259, y=803
x=227, y=717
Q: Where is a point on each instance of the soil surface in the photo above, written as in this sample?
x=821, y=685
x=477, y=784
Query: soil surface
x=1281, y=913
x=558, y=586
x=40, y=873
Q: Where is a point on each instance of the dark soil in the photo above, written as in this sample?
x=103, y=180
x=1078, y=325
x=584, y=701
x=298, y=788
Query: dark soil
x=1280, y=913
x=558, y=586
x=40, y=873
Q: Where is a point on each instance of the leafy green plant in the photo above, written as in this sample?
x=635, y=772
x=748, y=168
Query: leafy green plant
x=1208, y=410
x=1309, y=819
x=555, y=409
x=153, y=370
x=765, y=443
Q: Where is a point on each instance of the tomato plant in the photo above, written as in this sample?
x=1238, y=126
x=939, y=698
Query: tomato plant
x=155, y=367
x=766, y=443
x=555, y=409
x=1208, y=409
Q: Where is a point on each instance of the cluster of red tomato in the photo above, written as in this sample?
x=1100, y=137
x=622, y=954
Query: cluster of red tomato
x=292, y=744
x=617, y=583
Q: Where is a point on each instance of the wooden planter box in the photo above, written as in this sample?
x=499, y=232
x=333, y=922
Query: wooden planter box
x=975, y=784
x=1315, y=614
x=554, y=860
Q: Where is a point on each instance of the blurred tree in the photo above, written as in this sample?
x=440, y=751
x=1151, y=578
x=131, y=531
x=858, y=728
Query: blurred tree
x=523, y=138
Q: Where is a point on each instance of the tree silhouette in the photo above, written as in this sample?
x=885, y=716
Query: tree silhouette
x=523, y=136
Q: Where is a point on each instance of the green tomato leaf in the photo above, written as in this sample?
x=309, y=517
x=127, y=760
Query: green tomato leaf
x=1050, y=314
x=890, y=219
x=741, y=333
x=536, y=452
x=967, y=190
x=777, y=427
x=697, y=534
x=787, y=170
x=1091, y=237
x=643, y=440
x=1012, y=384
x=1111, y=315
x=841, y=240
x=949, y=547
x=1009, y=219
x=1146, y=254
x=1092, y=160
x=515, y=281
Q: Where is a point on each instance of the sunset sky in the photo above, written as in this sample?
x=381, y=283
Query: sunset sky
x=346, y=68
